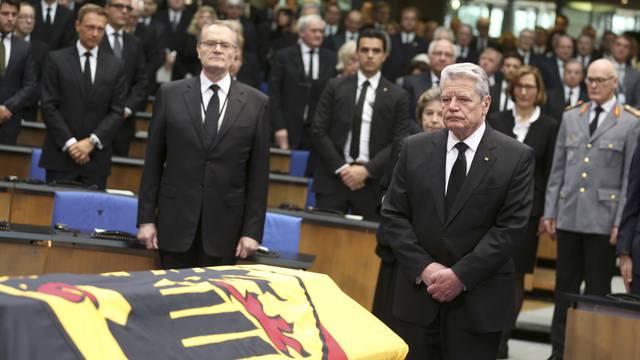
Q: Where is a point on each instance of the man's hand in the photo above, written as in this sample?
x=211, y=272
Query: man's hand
x=445, y=285
x=429, y=271
x=80, y=151
x=354, y=176
x=626, y=265
x=282, y=139
x=246, y=247
x=148, y=234
x=613, y=238
x=549, y=226
x=5, y=114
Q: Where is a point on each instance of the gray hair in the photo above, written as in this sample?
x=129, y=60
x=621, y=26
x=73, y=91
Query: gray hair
x=223, y=23
x=573, y=61
x=346, y=51
x=306, y=20
x=432, y=46
x=442, y=32
x=467, y=71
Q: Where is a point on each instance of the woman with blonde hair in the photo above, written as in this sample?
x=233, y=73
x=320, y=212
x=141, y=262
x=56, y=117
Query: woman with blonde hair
x=347, y=59
x=188, y=58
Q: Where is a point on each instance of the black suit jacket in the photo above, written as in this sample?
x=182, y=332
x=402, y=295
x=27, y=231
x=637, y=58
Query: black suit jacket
x=332, y=124
x=415, y=85
x=472, y=56
x=39, y=51
x=556, y=101
x=18, y=87
x=475, y=240
x=220, y=189
x=58, y=35
x=71, y=109
x=551, y=73
x=290, y=90
x=173, y=39
x=397, y=64
x=629, y=230
x=541, y=137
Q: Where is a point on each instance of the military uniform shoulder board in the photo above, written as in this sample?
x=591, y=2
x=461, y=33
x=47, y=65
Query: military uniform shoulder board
x=632, y=110
x=570, y=107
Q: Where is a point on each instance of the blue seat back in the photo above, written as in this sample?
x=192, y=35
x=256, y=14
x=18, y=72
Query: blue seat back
x=282, y=232
x=264, y=87
x=35, y=171
x=86, y=210
x=298, y=164
x=311, y=196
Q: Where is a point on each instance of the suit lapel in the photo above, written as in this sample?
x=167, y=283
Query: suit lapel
x=76, y=68
x=193, y=102
x=483, y=160
x=439, y=156
x=235, y=101
x=105, y=45
x=14, y=54
x=299, y=63
x=101, y=70
x=609, y=121
x=378, y=104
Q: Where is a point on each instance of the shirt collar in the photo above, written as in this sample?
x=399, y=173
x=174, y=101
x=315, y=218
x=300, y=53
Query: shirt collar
x=373, y=81
x=575, y=89
x=434, y=78
x=473, y=141
x=606, y=106
x=82, y=50
x=304, y=48
x=110, y=30
x=53, y=6
x=520, y=121
x=224, y=84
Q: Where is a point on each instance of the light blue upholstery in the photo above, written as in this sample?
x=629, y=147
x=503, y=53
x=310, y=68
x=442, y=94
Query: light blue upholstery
x=86, y=210
x=35, y=171
x=282, y=232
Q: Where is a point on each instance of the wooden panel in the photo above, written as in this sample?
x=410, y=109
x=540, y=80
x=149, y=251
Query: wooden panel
x=346, y=255
x=32, y=209
x=31, y=137
x=596, y=336
x=22, y=259
x=14, y=164
x=125, y=177
x=544, y=279
x=528, y=282
x=136, y=150
x=5, y=206
x=142, y=124
x=87, y=261
x=281, y=192
x=547, y=248
x=279, y=163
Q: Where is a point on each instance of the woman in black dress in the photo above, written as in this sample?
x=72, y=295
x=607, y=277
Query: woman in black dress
x=527, y=124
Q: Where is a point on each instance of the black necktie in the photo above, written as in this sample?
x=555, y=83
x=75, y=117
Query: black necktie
x=2, y=55
x=211, y=115
x=568, y=102
x=87, y=69
x=506, y=100
x=354, y=149
x=47, y=19
x=457, y=176
x=310, y=74
x=594, y=123
x=117, y=46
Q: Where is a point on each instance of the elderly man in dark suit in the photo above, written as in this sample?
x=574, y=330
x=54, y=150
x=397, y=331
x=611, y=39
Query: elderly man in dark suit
x=356, y=121
x=628, y=91
x=17, y=75
x=54, y=24
x=130, y=51
x=404, y=45
x=458, y=201
x=203, y=193
x=82, y=92
x=298, y=75
x=553, y=67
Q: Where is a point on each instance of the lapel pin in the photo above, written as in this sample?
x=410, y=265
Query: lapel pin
x=384, y=89
x=486, y=158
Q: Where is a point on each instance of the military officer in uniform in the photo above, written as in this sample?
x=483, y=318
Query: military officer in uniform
x=586, y=191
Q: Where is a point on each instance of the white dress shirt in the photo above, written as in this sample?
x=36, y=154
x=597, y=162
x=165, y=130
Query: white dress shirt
x=109, y=31
x=526, y=56
x=348, y=35
x=606, y=109
x=575, y=94
x=505, y=98
x=93, y=60
x=560, y=68
x=407, y=38
x=174, y=17
x=7, y=49
x=521, y=125
x=452, y=153
x=223, y=92
x=435, y=81
x=54, y=8
x=367, y=115
x=306, y=58
x=330, y=30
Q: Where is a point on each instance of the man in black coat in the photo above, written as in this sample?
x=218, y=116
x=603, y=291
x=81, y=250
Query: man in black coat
x=553, y=67
x=357, y=120
x=404, y=46
x=572, y=93
x=18, y=83
x=203, y=193
x=54, y=24
x=82, y=96
x=298, y=76
x=457, y=203
x=128, y=49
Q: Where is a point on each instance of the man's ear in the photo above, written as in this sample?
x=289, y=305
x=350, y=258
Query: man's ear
x=486, y=103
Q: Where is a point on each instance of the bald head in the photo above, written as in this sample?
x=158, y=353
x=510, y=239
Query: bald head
x=602, y=80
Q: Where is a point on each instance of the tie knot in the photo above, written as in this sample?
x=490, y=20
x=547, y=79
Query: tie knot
x=312, y=51
x=87, y=54
x=599, y=109
x=365, y=84
x=462, y=147
x=214, y=88
x=116, y=34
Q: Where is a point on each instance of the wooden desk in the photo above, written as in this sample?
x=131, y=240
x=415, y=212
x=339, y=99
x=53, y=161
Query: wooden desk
x=279, y=160
x=344, y=250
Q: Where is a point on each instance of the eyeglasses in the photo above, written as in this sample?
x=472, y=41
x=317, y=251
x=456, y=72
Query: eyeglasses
x=527, y=88
x=210, y=45
x=597, y=81
x=442, y=53
x=122, y=7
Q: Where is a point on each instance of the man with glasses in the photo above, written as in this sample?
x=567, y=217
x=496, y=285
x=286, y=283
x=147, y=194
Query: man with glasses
x=129, y=50
x=441, y=53
x=586, y=191
x=628, y=91
x=203, y=193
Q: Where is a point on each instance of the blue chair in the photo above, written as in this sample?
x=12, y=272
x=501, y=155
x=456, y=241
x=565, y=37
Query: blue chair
x=298, y=164
x=282, y=232
x=35, y=171
x=311, y=196
x=86, y=210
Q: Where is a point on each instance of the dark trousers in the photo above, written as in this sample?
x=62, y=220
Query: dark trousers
x=194, y=257
x=447, y=340
x=9, y=131
x=360, y=202
x=581, y=257
x=88, y=180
